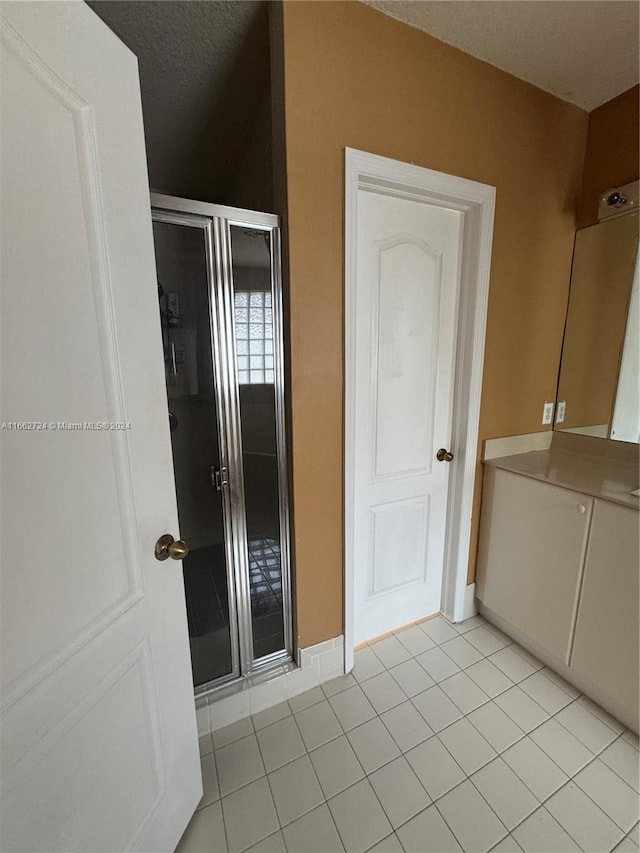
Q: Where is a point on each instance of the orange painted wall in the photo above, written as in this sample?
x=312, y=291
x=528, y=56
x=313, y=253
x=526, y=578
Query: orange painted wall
x=355, y=77
x=611, y=156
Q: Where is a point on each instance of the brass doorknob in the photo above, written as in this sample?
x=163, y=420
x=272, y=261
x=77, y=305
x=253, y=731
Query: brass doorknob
x=444, y=455
x=167, y=546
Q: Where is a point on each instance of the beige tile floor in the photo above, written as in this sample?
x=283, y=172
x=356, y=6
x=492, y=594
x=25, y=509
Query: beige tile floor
x=444, y=738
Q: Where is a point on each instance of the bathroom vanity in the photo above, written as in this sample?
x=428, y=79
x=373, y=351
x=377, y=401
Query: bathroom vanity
x=558, y=563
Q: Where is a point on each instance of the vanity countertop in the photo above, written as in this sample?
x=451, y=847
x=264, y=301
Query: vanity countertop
x=610, y=480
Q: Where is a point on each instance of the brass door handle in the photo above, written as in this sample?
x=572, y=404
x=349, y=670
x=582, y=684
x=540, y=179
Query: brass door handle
x=167, y=546
x=444, y=455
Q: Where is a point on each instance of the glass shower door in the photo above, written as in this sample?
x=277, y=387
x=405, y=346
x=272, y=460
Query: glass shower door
x=257, y=329
x=183, y=247
x=220, y=304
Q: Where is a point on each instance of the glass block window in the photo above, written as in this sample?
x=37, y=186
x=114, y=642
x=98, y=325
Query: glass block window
x=254, y=337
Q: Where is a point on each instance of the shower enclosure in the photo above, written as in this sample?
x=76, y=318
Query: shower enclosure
x=219, y=288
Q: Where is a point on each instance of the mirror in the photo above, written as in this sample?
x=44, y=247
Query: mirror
x=598, y=387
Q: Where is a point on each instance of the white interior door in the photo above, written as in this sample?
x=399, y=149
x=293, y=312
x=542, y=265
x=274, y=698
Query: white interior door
x=99, y=743
x=407, y=283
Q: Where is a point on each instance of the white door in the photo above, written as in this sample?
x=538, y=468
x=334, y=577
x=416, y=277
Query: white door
x=99, y=741
x=407, y=283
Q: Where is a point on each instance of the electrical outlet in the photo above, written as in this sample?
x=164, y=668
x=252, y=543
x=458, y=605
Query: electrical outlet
x=547, y=413
x=562, y=406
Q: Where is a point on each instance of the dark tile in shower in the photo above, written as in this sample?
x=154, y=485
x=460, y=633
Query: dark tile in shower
x=265, y=578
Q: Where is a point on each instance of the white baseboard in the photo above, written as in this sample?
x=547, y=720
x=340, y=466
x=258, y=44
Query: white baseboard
x=316, y=664
x=470, y=605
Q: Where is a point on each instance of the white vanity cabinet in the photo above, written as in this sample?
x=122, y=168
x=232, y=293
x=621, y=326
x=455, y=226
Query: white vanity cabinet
x=605, y=645
x=558, y=570
x=532, y=545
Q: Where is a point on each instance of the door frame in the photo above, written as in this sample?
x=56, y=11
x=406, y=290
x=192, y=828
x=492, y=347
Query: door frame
x=476, y=202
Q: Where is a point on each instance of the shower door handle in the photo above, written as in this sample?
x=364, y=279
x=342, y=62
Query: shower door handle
x=219, y=478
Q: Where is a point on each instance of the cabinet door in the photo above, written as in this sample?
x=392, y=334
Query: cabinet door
x=605, y=648
x=532, y=544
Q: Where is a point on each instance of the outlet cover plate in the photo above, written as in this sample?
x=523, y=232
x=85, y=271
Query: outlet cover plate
x=547, y=413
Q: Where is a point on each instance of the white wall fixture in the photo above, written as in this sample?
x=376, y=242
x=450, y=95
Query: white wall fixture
x=618, y=201
x=547, y=413
x=453, y=412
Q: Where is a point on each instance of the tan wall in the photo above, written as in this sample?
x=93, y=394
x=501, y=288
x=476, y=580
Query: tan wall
x=354, y=77
x=611, y=156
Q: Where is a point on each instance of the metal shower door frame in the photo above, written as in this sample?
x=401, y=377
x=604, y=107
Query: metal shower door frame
x=206, y=225
x=217, y=221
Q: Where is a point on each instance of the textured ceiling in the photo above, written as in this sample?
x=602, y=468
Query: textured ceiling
x=204, y=69
x=583, y=51
x=204, y=66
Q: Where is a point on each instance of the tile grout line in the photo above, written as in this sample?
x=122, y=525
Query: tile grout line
x=483, y=800
x=499, y=754
x=403, y=754
x=589, y=797
x=437, y=735
x=467, y=776
x=224, y=823
x=273, y=799
x=324, y=796
x=366, y=775
x=392, y=834
x=434, y=802
x=375, y=793
x=570, y=778
x=539, y=803
x=542, y=803
x=595, y=755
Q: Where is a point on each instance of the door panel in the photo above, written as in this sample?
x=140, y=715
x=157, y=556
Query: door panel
x=403, y=346
x=97, y=706
x=407, y=285
x=186, y=306
x=256, y=365
x=399, y=544
x=117, y=717
x=532, y=543
x=605, y=645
